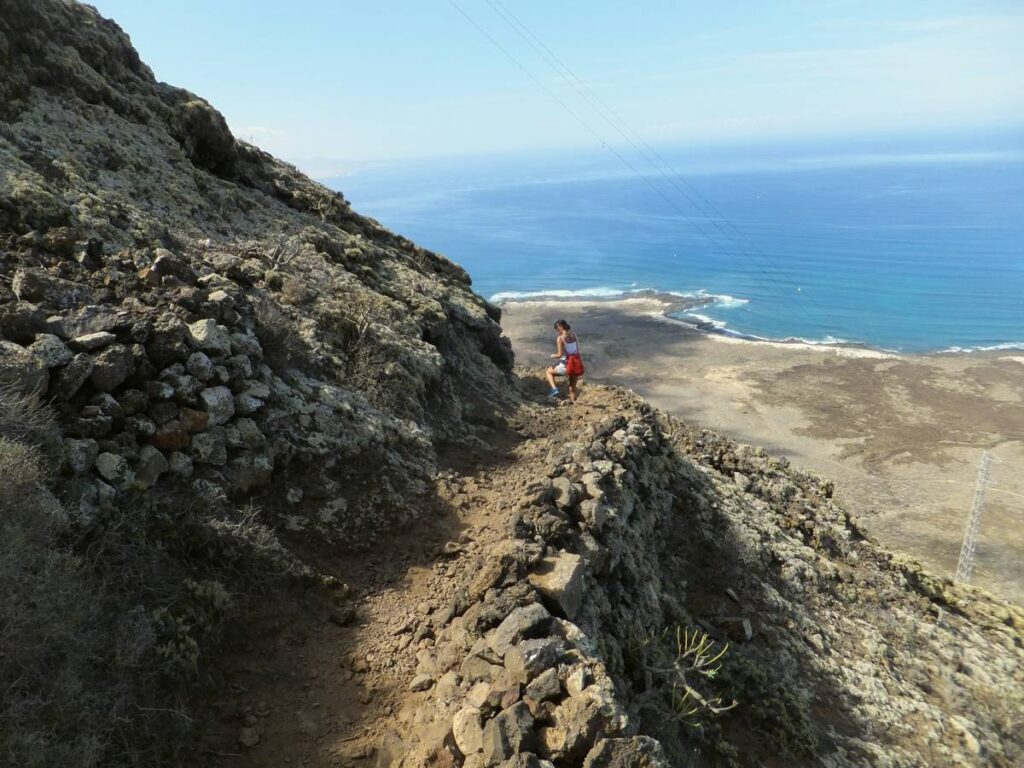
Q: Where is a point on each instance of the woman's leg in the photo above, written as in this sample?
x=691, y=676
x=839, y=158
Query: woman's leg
x=551, y=377
x=572, y=388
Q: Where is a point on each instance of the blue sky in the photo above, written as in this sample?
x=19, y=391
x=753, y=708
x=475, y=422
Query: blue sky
x=330, y=85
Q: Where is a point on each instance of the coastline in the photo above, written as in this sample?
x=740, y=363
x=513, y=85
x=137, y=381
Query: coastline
x=665, y=307
x=899, y=433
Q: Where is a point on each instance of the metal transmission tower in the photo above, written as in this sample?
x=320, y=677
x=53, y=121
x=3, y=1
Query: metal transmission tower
x=965, y=565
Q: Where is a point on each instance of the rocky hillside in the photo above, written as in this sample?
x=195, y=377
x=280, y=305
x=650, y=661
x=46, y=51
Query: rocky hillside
x=168, y=286
x=619, y=589
x=238, y=419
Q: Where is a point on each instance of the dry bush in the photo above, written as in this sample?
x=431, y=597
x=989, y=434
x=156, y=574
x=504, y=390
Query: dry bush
x=278, y=333
x=104, y=630
x=24, y=420
x=295, y=291
x=52, y=710
x=79, y=673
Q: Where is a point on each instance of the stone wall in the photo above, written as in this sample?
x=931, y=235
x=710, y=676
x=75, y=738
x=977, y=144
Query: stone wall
x=562, y=649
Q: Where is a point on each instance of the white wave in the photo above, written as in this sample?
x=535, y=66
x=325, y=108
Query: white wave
x=725, y=301
x=703, y=320
x=593, y=293
x=1006, y=346
x=828, y=340
x=589, y=293
x=717, y=300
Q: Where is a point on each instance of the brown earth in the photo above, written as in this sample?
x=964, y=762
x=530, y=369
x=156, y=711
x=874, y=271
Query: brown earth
x=326, y=680
x=901, y=436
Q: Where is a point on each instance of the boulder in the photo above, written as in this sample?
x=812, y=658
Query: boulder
x=80, y=455
x=151, y=465
x=209, y=448
x=40, y=287
x=193, y=420
x=528, y=621
x=577, y=723
x=90, y=342
x=634, y=752
x=421, y=682
x=509, y=732
x=560, y=579
x=243, y=433
x=246, y=404
x=468, y=731
x=207, y=336
x=199, y=365
x=50, y=350
x=503, y=692
x=112, y=467
x=219, y=402
x=474, y=668
x=72, y=377
x=170, y=436
x=111, y=367
x=21, y=369
x=531, y=657
x=21, y=321
x=563, y=492
x=247, y=472
x=545, y=686
x=180, y=464
x=87, y=320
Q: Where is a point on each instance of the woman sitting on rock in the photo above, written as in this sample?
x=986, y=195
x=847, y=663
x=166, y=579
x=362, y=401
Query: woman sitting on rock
x=570, y=364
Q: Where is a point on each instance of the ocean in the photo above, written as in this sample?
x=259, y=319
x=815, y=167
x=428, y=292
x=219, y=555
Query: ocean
x=916, y=250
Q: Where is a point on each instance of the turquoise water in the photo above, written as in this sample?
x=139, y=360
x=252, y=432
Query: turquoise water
x=910, y=251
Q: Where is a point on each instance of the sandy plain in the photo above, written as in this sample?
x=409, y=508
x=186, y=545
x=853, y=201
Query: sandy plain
x=901, y=436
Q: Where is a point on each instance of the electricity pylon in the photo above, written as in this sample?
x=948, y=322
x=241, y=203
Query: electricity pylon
x=965, y=565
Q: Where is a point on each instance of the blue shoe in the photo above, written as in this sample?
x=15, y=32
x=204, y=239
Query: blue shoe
x=553, y=393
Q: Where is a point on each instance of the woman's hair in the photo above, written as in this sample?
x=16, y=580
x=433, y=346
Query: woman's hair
x=563, y=324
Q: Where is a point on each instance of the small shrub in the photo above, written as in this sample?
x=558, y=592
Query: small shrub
x=684, y=665
x=23, y=419
x=278, y=333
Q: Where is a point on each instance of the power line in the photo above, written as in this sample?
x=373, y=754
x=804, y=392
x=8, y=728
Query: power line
x=632, y=137
x=605, y=145
x=566, y=107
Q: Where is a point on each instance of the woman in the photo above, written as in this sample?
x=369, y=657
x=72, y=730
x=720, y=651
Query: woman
x=570, y=364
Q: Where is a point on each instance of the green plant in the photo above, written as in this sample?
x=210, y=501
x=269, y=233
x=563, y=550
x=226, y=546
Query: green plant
x=684, y=665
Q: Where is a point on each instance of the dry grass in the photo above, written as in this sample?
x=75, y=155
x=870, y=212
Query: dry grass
x=283, y=346
x=54, y=701
x=104, y=628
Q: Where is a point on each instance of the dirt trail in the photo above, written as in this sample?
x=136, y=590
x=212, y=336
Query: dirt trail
x=323, y=681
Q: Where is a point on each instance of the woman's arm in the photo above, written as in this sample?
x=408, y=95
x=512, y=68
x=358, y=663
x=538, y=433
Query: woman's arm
x=559, y=347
